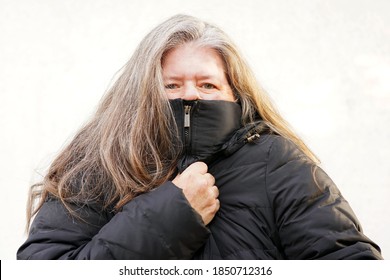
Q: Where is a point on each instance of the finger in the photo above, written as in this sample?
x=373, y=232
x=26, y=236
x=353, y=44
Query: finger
x=215, y=191
x=217, y=204
x=210, y=179
x=198, y=167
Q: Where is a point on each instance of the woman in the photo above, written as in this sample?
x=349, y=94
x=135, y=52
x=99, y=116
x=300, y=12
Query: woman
x=139, y=180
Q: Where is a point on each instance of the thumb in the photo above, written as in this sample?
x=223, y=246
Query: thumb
x=198, y=167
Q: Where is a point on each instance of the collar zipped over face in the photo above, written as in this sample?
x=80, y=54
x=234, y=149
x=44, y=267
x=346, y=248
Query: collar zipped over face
x=204, y=126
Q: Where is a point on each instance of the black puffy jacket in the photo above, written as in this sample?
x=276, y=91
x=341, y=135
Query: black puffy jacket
x=275, y=204
x=156, y=225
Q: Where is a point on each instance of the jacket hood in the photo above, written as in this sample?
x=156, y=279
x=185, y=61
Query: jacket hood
x=204, y=126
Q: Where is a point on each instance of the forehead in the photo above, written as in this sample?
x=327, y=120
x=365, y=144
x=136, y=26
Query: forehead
x=190, y=55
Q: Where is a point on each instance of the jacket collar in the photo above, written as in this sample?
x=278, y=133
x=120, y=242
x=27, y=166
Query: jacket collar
x=204, y=127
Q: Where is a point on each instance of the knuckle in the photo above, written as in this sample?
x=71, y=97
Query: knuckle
x=205, y=182
x=211, y=179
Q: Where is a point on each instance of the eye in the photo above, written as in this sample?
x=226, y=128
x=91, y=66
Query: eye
x=208, y=86
x=171, y=86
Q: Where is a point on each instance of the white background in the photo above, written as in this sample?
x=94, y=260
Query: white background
x=326, y=65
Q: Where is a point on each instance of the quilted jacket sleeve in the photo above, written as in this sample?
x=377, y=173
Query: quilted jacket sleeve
x=158, y=225
x=314, y=220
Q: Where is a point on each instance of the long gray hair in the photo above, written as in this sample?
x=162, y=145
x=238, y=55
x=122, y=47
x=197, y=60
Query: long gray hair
x=128, y=147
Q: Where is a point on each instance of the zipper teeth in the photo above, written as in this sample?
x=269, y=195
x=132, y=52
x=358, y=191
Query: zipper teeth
x=187, y=123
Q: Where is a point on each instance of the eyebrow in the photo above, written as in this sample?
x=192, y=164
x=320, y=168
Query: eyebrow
x=206, y=77
x=199, y=77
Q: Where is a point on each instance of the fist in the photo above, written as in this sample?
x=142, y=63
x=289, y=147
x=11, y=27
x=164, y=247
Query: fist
x=199, y=189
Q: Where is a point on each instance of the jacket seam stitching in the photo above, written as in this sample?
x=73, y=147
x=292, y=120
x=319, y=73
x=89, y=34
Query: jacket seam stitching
x=276, y=230
x=265, y=179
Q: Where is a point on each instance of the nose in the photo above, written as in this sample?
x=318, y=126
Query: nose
x=190, y=92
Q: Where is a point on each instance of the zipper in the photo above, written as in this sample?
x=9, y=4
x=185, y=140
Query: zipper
x=188, y=108
x=187, y=124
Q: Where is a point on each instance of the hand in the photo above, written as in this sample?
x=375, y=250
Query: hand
x=199, y=189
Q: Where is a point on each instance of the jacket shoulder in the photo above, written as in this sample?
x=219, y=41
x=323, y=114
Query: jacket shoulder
x=270, y=149
x=55, y=225
x=313, y=218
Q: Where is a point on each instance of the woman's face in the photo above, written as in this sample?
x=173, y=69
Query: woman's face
x=191, y=72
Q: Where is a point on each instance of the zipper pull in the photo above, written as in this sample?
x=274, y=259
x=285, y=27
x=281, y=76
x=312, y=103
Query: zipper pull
x=187, y=110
